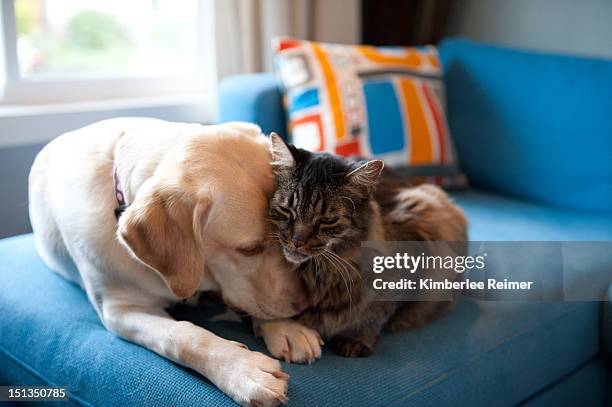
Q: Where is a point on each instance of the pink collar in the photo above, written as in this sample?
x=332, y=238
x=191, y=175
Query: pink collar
x=119, y=195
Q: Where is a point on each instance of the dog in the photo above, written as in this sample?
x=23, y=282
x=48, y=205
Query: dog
x=142, y=213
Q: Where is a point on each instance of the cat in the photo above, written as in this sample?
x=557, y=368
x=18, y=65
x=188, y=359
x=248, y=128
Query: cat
x=323, y=207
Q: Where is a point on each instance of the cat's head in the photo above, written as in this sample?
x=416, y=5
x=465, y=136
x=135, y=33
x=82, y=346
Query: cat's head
x=320, y=199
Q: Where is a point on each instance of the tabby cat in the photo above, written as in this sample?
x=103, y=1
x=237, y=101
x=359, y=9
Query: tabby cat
x=322, y=209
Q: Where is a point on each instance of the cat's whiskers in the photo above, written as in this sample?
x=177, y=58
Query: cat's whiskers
x=338, y=270
x=348, y=265
x=341, y=269
x=332, y=266
x=348, y=268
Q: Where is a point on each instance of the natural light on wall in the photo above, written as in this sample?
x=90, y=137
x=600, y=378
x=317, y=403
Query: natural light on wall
x=59, y=38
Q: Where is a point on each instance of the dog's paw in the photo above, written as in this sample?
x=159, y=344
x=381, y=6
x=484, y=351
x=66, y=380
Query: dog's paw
x=250, y=378
x=291, y=341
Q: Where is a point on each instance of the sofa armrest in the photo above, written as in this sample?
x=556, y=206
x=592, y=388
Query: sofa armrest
x=253, y=98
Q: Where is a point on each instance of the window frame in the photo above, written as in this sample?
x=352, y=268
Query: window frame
x=16, y=90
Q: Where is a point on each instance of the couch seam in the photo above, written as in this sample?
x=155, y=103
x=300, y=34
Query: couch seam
x=560, y=380
x=35, y=373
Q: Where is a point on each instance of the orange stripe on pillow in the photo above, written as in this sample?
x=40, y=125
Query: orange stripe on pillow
x=411, y=58
x=332, y=90
x=433, y=60
x=435, y=109
x=420, y=143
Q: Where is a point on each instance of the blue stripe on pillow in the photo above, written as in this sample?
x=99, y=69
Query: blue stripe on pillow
x=385, y=124
x=304, y=99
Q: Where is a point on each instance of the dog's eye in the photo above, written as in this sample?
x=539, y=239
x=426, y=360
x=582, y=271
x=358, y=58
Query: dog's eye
x=251, y=250
x=329, y=221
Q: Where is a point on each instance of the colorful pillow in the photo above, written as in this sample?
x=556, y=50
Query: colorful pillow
x=383, y=102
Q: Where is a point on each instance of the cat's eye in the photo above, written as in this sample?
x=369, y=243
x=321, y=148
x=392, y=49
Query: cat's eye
x=328, y=221
x=284, y=212
x=253, y=250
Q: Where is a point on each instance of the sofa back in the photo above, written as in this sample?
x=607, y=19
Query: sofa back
x=531, y=124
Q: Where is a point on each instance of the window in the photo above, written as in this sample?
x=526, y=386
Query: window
x=75, y=50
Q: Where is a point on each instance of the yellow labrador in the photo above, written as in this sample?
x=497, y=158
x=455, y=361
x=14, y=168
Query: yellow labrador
x=195, y=200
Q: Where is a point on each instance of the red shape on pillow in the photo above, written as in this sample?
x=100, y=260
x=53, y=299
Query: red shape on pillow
x=348, y=149
x=311, y=118
x=286, y=43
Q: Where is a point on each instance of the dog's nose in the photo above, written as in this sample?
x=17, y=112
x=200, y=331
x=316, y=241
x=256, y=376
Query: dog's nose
x=300, y=304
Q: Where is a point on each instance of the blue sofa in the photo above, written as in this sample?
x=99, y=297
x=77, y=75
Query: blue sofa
x=514, y=136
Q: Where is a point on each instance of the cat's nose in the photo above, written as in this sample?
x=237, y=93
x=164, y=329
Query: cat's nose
x=298, y=241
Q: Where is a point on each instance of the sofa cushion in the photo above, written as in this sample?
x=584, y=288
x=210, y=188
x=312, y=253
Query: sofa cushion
x=582, y=269
x=531, y=124
x=584, y=387
x=495, y=217
x=486, y=353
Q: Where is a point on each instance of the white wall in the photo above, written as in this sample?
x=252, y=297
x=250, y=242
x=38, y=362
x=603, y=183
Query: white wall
x=566, y=26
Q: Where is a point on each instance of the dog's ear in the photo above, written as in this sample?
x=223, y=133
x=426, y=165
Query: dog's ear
x=164, y=231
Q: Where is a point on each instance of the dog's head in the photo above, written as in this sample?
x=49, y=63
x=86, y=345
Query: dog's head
x=201, y=222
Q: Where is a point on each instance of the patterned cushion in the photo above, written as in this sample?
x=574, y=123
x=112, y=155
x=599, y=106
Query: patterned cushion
x=383, y=102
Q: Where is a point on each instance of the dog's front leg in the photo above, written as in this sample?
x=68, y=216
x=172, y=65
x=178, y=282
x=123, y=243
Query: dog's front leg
x=250, y=378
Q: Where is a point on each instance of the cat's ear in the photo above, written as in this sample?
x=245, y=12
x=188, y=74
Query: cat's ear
x=366, y=176
x=282, y=159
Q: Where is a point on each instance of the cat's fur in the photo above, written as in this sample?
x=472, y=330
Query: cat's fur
x=323, y=208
